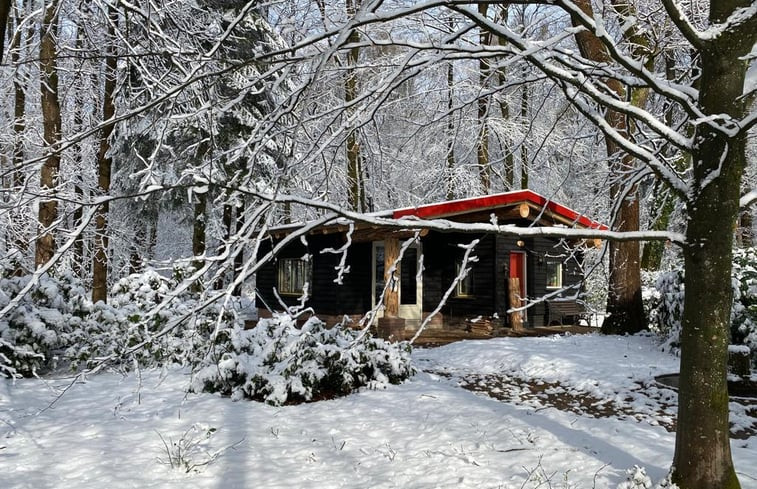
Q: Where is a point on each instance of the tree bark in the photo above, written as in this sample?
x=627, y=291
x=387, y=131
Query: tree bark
x=104, y=167
x=663, y=202
x=624, y=305
x=515, y=301
x=702, y=457
x=746, y=234
x=198, y=230
x=482, y=153
x=51, y=122
x=239, y=259
x=504, y=107
x=5, y=11
x=78, y=156
x=18, y=226
x=523, y=146
x=356, y=186
x=450, y=174
x=391, y=259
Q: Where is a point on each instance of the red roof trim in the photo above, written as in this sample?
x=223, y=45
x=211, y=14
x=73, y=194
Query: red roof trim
x=462, y=206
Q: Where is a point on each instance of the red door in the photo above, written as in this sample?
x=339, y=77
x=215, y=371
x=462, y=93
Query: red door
x=518, y=270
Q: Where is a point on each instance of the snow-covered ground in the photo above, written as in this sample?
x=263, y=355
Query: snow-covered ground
x=429, y=432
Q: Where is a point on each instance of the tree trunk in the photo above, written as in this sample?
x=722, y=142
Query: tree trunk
x=746, y=234
x=703, y=452
x=51, y=122
x=515, y=301
x=356, y=186
x=482, y=152
x=504, y=107
x=663, y=202
x=104, y=166
x=391, y=259
x=226, y=224
x=624, y=304
x=450, y=180
x=523, y=146
x=18, y=226
x=78, y=156
x=239, y=259
x=198, y=230
x=5, y=11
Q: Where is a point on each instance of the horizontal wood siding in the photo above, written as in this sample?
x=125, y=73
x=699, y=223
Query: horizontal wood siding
x=440, y=255
x=541, y=251
x=353, y=296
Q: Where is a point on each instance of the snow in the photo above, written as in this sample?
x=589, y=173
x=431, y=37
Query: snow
x=109, y=430
x=742, y=349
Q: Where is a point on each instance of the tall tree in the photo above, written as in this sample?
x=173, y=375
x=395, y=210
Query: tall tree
x=624, y=305
x=51, y=121
x=355, y=177
x=703, y=451
x=5, y=16
x=450, y=173
x=482, y=151
x=105, y=162
x=504, y=107
x=524, y=162
x=17, y=227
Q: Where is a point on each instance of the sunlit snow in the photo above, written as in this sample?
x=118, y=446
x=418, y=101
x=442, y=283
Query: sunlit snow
x=108, y=431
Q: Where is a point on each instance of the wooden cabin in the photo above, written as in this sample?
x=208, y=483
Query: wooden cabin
x=508, y=271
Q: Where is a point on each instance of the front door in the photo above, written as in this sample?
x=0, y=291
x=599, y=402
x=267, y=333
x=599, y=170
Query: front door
x=410, y=282
x=518, y=271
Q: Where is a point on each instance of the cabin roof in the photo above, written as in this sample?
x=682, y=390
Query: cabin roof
x=476, y=205
x=507, y=206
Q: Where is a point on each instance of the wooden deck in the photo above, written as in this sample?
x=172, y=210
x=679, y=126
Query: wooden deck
x=438, y=337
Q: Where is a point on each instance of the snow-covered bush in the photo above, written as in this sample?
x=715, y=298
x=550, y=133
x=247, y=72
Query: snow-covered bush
x=278, y=363
x=744, y=312
x=133, y=318
x=34, y=330
x=663, y=302
x=664, y=293
x=56, y=320
x=637, y=478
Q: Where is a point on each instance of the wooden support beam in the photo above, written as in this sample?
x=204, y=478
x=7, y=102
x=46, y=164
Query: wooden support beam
x=524, y=210
x=392, y=296
x=382, y=234
x=516, y=318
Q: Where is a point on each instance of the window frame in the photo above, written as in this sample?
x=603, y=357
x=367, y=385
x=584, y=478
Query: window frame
x=301, y=270
x=464, y=287
x=548, y=265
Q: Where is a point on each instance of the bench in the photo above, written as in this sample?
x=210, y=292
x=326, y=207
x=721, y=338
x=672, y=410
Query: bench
x=561, y=309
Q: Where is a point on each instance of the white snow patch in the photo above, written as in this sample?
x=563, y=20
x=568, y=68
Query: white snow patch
x=428, y=432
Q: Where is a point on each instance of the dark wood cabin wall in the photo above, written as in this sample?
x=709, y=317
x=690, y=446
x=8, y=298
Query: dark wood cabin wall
x=540, y=251
x=267, y=277
x=353, y=296
x=326, y=297
x=490, y=274
x=440, y=254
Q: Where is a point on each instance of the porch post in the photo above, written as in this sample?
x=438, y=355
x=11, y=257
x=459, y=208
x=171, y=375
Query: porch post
x=391, y=326
x=392, y=296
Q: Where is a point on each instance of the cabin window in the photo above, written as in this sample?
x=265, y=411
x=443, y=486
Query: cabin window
x=294, y=274
x=554, y=275
x=464, y=287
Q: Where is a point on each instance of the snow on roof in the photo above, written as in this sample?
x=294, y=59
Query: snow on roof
x=542, y=207
x=532, y=199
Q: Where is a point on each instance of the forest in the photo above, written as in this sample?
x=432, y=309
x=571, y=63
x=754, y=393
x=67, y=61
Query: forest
x=148, y=148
